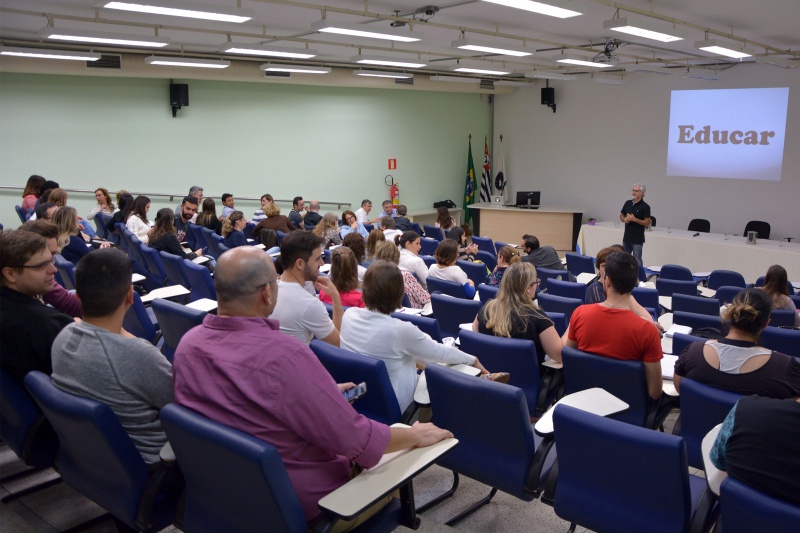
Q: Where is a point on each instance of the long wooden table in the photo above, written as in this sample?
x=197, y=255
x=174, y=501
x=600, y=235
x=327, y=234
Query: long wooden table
x=552, y=225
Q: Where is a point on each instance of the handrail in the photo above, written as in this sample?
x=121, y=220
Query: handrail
x=180, y=196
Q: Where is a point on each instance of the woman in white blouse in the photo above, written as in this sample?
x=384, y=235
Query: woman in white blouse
x=137, y=221
x=409, y=257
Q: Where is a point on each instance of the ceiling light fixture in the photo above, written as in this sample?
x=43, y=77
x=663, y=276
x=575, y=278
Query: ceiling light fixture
x=119, y=39
x=300, y=69
x=267, y=50
x=647, y=28
x=491, y=48
x=42, y=53
x=471, y=70
x=650, y=69
x=360, y=30
x=583, y=61
x=455, y=79
x=183, y=9
x=382, y=74
x=550, y=75
x=782, y=62
x=186, y=62
x=387, y=61
x=607, y=80
x=724, y=47
x=695, y=73
x=555, y=8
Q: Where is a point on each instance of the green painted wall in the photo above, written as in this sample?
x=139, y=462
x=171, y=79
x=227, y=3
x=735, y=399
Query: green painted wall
x=243, y=138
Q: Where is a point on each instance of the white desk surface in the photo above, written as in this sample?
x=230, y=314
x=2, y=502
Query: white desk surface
x=540, y=209
x=668, y=366
x=136, y=278
x=370, y=485
x=203, y=304
x=714, y=476
x=665, y=320
x=421, y=395
x=665, y=302
x=595, y=400
x=165, y=292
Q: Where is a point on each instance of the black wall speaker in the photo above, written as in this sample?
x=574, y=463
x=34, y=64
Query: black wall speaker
x=548, y=95
x=179, y=94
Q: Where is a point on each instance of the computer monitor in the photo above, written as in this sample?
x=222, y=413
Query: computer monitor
x=528, y=198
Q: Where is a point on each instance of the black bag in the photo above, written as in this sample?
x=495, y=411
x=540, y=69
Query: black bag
x=449, y=204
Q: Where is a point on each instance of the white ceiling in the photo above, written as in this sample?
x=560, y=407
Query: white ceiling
x=771, y=26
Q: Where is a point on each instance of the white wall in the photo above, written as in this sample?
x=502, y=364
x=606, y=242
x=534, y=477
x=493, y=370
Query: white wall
x=244, y=138
x=604, y=138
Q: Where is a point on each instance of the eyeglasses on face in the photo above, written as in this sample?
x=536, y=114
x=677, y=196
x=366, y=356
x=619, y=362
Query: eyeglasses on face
x=40, y=266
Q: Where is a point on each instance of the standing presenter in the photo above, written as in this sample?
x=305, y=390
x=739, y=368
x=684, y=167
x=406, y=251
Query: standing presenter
x=636, y=216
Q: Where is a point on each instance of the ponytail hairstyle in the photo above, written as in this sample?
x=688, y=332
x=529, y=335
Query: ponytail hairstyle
x=228, y=225
x=344, y=269
x=508, y=254
x=749, y=311
x=407, y=237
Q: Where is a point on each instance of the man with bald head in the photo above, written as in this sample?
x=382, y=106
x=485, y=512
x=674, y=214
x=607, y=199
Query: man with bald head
x=313, y=217
x=238, y=369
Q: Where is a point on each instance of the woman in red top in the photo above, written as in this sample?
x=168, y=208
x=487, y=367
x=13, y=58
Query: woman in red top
x=344, y=275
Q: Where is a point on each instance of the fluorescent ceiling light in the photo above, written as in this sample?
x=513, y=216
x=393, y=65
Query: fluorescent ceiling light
x=554, y=8
x=120, y=39
x=650, y=69
x=183, y=9
x=471, y=70
x=607, y=80
x=267, y=50
x=455, y=79
x=579, y=60
x=695, y=73
x=782, y=62
x=513, y=83
x=361, y=30
x=186, y=62
x=723, y=47
x=491, y=48
x=645, y=27
x=300, y=69
x=382, y=74
x=41, y=53
x=550, y=75
x=387, y=61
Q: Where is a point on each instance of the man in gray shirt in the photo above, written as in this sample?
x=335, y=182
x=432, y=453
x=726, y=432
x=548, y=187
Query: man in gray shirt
x=97, y=359
x=540, y=256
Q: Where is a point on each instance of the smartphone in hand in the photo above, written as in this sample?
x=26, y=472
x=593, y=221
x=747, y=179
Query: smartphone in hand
x=356, y=392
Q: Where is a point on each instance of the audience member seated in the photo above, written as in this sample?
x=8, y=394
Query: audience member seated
x=137, y=221
x=409, y=257
x=375, y=237
x=208, y=216
x=328, y=229
x=466, y=252
x=776, y=284
x=59, y=198
x=362, y=213
x=232, y=230
x=344, y=275
x=300, y=313
x=418, y=297
x=736, y=362
x=759, y=443
x=27, y=326
x=104, y=204
x=444, y=220
x=274, y=221
x=611, y=329
x=357, y=245
x=269, y=238
x=44, y=194
x=227, y=205
x=218, y=374
x=540, y=256
x=58, y=297
x=298, y=212
x=44, y=211
x=97, y=359
x=313, y=217
x=185, y=216
x=196, y=192
x=446, y=268
x=388, y=209
x=352, y=225
x=389, y=231
x=506, y=257
x=30, y=195
x=124, y=205
x=164, y=239
x=400, y=221
x=373, y=331
x=71, y=241
x=260, y=214
x=513, y=314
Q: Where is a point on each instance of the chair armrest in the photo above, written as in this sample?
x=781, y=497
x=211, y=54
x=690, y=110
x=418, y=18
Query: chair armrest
x=166, y=454
x=714, y=476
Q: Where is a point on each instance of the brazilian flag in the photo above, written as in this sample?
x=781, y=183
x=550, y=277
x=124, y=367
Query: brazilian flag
x=469, y=187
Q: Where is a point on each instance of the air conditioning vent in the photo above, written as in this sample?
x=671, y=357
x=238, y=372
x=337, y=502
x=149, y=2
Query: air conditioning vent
x=278, y=74
x=487, y=84
x=404, y=81
x=106, y=61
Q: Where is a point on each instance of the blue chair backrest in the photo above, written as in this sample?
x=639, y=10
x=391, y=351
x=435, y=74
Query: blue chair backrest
x=214, y=241
x=368, y=227
x=248, y=230
x=681, y=340
x=578, y=264
x=782, y=318
x=600, y=481
x=646, y=297
x=234, y=481
x=487, y=292
x=696, y=321
x=195, y=237
x=450, y=312
x=443, y=286
x=695, y=304
x=23, y=426
x=546, y=274
x=745, y=509
x=676, y=272
x=154, y=264
x=66, y=272
x=415, y=227
x=100, y=225
x=475, y=271
x=173, y=266
x=668, y=287
x=137, y=321
x=488, y=259
x=725, y=278
x=558, y=304
x=136, y=248
x=200, y=280
x=498, y=245
x=516, y=356
x=428, y=246
x=504, y=432
x=175, y=320
x=424, y=323
x=567, y=289
x=432, y=232
x=559, y=321
x=485, y=244
x=108, y=235
x=623, y=379
x=726, y=294
x=781, y=340
x=702, y=408
x=23, y=216
x=428, y=260
x=380, y=402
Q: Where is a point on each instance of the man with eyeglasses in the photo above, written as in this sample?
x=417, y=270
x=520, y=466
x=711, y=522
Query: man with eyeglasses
x=636, y=216
x=27, y=326
x=362, y=214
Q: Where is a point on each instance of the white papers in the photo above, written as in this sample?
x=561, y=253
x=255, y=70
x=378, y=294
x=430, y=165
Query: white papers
x=325, y=268
x=706, y=292
x=203, y=304
x=668, y=366
x=675, y=328
x=165, y=292
x=136, y=278
x=200, y=259
x=585, y=277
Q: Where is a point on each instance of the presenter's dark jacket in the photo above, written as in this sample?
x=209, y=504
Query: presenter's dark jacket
x=634, y=233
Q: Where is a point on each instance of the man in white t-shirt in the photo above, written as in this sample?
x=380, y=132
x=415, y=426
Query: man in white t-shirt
x=362, y=215
x=300, y=312
x=388, y=227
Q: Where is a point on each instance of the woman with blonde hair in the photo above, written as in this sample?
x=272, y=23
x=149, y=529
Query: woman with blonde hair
x=72, y=243
x=58, y=197
x=232, y=230
x=376, y=236
x=506, y=257
x=344, y=275
x=274, y=221
x=513, y=314
x=328, y=229
x=776, y=284
x=417, y=295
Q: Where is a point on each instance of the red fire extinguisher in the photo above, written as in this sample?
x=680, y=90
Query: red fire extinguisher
x=394, y=190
